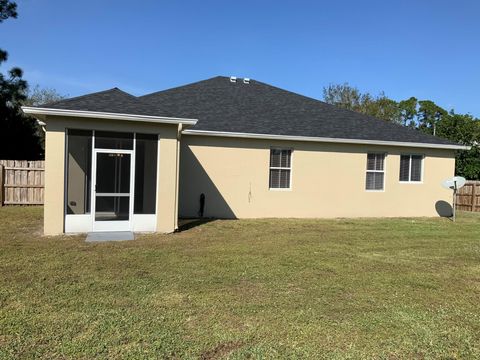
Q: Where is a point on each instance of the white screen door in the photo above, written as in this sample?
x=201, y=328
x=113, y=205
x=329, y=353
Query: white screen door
x=113, y=190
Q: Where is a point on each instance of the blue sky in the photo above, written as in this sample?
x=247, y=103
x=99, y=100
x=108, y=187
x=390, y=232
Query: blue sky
x=428, y=49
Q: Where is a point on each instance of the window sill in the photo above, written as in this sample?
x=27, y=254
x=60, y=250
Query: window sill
x=375, y=191
x=280, y=189
x=411, y=182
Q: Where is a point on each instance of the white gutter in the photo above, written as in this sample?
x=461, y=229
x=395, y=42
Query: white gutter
x=106, y=115
x=322, y=139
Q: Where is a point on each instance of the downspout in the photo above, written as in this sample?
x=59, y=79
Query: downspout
x=177, y=174
x=42, y=124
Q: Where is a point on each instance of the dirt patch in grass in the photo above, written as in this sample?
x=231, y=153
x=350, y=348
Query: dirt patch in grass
x=221, y=350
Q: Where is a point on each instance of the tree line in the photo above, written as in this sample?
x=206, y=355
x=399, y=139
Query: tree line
x=422, y=115
x=20, y=136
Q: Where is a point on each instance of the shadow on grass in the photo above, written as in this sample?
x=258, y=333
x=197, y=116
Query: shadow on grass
x=444, y=209
x=187, y=224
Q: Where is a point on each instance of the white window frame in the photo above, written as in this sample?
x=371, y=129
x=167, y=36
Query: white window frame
x=422, y=164
x=280, y=168
x=384, y=171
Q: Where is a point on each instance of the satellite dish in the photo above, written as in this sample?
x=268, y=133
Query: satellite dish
x=454, y=183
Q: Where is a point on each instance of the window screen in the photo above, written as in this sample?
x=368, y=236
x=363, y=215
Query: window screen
x=375, y=171
x=280, y=168
x=404, y=167
x=416, y=168
x=79, y=143
x=145, y=173
x=411, y=168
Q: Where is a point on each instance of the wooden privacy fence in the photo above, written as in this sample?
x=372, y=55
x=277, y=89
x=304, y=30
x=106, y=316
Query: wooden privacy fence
x=467, y=196
x=22, y=182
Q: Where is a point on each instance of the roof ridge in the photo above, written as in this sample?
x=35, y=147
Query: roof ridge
x=85, y=95
x=181, y=86
x=123, y=92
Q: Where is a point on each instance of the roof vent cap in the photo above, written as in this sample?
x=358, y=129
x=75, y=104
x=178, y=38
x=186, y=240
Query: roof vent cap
x=233, y=79
x=246, y=80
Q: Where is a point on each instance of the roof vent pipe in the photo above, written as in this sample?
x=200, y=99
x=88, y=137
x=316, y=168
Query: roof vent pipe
x=246, y=80
x=233, y=79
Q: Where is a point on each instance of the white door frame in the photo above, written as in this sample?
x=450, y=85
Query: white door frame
x=80, y=223
x=114, y=225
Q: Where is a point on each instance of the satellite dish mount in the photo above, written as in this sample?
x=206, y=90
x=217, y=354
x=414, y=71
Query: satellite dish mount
x=454, y=184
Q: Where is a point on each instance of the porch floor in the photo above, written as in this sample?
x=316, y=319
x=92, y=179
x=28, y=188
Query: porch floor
x=109, y=236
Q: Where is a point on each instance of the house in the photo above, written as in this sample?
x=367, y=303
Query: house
x=229, y=148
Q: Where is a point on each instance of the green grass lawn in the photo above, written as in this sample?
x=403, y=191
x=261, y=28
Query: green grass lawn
x=381, y=288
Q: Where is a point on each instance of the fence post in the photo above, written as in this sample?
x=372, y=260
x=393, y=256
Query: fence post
x=2, y=178
x=474, y=195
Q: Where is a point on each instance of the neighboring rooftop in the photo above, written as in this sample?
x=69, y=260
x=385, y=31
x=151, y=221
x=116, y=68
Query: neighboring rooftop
x=251, y=107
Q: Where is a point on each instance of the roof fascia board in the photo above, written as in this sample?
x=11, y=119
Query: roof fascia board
x=323, y=139
x=107, y=115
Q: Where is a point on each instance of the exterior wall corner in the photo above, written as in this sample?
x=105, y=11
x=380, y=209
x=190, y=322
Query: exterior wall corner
x=53, y=221
x=167, y=184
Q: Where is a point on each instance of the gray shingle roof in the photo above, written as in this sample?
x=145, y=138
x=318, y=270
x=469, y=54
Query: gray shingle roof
x=111, y=101
x=221, y=105
x=258, y=108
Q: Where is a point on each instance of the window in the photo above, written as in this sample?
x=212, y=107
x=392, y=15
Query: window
x=280, y=168
x=411, y=168
x=375, y=171
x=145, y=174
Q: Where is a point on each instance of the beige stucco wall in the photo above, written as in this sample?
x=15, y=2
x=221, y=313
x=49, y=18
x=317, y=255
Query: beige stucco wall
x=328, y=180
x=53, y=217
x=167, y=194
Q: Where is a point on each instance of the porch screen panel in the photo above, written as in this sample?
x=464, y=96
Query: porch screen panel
x=113, y=140
x=145, y=173
x=79, y=143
